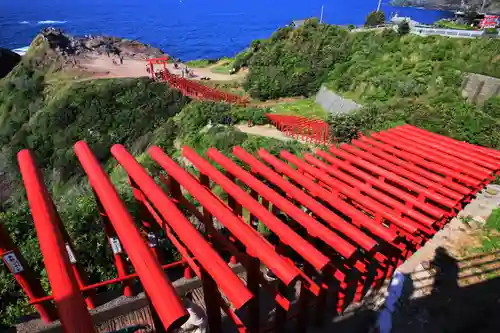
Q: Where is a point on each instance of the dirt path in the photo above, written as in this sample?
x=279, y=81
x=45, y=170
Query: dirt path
x=102, y=67
x=264, y=130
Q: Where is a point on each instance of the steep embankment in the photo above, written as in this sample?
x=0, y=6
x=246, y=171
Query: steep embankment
x=43, y=108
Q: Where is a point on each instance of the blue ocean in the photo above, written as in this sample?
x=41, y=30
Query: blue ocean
x=187, y=29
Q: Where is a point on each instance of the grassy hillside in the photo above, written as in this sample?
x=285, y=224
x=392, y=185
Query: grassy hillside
x=385, y=65
x=418, y=81
x=294, y=62
x=397, y=78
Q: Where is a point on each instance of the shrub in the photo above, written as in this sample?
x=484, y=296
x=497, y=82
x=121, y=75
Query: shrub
x=375, y=18
x=404, y=27
x=220, y=137
x=491, y=31
x=256, y=115
x=295, y=62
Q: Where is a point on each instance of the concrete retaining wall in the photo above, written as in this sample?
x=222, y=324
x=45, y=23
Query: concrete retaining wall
x=478, y=88
x=334, y=103
x=424, y=31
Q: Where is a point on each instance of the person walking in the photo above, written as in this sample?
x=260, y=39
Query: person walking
x=121, y=60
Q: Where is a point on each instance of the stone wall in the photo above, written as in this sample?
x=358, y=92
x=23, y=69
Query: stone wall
x=334, y=103
x=478, y=88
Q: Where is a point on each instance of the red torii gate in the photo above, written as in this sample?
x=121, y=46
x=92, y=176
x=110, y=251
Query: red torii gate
x=157, y=61
x=394, y=190
x=303, y=128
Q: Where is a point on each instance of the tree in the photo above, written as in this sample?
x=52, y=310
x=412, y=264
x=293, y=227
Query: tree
x=375, y=18
x=404, y=28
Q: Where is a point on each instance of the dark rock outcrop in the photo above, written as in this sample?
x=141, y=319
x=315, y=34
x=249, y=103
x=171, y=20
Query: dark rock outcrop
x=8, y=60
x=490, y=6
x=69, y=45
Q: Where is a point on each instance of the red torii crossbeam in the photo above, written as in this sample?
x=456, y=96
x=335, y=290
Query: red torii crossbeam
x=352, y=214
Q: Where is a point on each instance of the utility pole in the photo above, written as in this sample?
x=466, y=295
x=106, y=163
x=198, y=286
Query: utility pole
x=321, y=17
x=482, y=7
x=378, y=7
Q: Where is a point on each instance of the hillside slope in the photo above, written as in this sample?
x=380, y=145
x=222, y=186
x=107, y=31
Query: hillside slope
x=397, y=78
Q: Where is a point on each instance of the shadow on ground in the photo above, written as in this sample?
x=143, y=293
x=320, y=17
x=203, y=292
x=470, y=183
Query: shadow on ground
x=451, y=306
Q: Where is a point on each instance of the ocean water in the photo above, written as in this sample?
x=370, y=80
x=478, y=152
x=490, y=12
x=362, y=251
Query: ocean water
x=188, y=29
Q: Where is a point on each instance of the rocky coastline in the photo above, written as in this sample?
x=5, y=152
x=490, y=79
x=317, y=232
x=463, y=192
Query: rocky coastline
x=491, y=7
x=68, y=45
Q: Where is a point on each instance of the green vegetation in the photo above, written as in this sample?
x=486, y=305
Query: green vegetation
x=303, y=107
x=404, y=28
x=452, y=25
x=199, y=63
x=491, y=31
x=375, y=18
x=490, y=236
x=242, y=58
x=295, y=62
x=417, y=80
x=398, y=79
x=232, y=86
x=49, y=121
x=223, y=66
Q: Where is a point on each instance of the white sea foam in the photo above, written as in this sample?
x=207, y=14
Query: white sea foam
x=51, y=22
x=21, y=51
x=24, y=22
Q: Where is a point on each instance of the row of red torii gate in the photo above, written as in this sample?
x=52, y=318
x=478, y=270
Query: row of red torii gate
x=305, y=129
x=349, y=215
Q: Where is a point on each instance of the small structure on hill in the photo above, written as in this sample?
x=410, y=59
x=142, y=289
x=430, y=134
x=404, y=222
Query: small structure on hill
x=297, y=23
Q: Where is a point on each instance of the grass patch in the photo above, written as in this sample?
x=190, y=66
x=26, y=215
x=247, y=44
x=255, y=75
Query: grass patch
x=223, y=66
x=233, y=87
x=303, y=107
x=452, y=25
x=493, y=221
x=199, y=63
x=490, y=237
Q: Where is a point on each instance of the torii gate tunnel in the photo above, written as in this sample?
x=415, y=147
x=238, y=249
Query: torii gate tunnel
x=192, y=88
x=340, y=222
x=302, y=128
